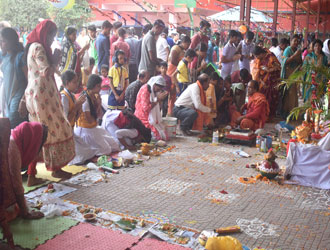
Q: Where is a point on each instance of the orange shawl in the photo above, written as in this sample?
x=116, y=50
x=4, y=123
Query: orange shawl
x=260, y=99
x=202, y=117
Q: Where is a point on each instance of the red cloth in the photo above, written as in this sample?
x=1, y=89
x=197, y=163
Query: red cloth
x=121, y=121
x=39, y=35
x=257, y=109
x=196, y=39
x=120, y=44
x=28, y=138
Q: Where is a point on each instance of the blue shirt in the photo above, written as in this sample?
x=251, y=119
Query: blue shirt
x=170, y=41
x=209, y=53
x=13, y=89
x=102, y=44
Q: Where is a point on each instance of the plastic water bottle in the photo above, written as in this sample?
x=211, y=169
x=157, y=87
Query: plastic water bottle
x=215, y=137
x=258, y=141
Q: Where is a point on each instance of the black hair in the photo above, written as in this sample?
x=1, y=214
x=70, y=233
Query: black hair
x=203, y=78
x=228, y=79
x=202, y=47
x=320, y=43
x=186, y=39
x=121, y=32
x=146, y=28
x=106, y=25
x=165, y=31
x=250, y=35
x=130, y=31
x=163, y=64
x=274, y=42
x=215, y=76
x=117, y=54
x=190, y=53
x=257, y=50
x=295, y=36
x=93, y=80
x=204, y=23
x=117, y=25
x=138, y=125
x=159, y=22
x=255, y=84
x=91, y=27
x=142, y=74
x=68, y=76
x=91, y=61
x=11, y=36
x=244, y=73
x=70, y=30
x=284, y=41
x=233, y=33
x=216, y=34
x=104, y=66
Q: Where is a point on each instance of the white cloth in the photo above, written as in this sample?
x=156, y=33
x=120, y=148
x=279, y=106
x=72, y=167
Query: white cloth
x=326, y=49
x=83, y=151
x=228, y=52
x=162, y=48
x=98, y=139
x=65, y=103
x=309, y=164
x=155, y=116
x=278, y=53
x=246, y=51
x=108, y=123
x=190, y=98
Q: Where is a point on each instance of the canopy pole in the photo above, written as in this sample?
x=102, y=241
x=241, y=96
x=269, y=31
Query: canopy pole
x=318, y=18
x=242, y=12
x=307, y=23
x=294, y=9
x=325, y=23
x=191, y=22
x=275, y=17
x=248, y=12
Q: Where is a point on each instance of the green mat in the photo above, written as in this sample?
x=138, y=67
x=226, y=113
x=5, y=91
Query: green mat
x=31, y=233
x=28, y=189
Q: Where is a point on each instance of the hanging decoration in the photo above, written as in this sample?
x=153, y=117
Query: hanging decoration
x=150, y=5
x=120, y=16
x=140, y=5
x=101, y=12
x=135, y=20
x=147, y=20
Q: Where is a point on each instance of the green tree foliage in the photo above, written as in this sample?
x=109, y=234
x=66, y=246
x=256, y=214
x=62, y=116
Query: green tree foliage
x=77, y=16
x=23, y=13
x=26, y=13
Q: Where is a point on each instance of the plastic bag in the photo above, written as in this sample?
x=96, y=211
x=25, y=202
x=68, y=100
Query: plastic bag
x=85, y=60
x=126, y=155
x=223, y=242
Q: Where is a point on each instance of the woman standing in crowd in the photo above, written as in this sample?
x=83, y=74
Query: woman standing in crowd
x=318, y=59
x=96, y=137
x=43, y=102
x=268, y=70
x=291, y=61
x=71, y=55
x=14, y=72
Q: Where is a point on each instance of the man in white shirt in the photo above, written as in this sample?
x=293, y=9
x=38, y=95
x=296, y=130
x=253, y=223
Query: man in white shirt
x=246, y=46
x=274, y=44
x=189, y=102
x=163, y=49
x=229, y=55
x=278, y=51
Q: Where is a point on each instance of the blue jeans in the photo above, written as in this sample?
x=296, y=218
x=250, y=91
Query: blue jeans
x=187, y=117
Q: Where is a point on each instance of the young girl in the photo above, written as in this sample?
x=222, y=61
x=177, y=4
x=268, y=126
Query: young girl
x=126, y=128
x=96, y=137
x=105, y=86
x=118, y=82
x=72, y=110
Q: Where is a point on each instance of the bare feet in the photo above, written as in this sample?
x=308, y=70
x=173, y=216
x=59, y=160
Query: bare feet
x=34, y=181
x=186, y=132
x=61, y=174
x=33, y=215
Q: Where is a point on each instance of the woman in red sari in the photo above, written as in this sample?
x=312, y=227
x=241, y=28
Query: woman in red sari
x=268, y=72
x=17, y=152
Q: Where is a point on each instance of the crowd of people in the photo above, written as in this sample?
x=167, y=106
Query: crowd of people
x=116, y=88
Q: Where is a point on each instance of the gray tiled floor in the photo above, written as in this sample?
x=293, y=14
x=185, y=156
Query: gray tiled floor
x=176, y=185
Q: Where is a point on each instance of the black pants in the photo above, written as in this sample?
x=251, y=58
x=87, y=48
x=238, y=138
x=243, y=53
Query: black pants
x=165, y=107
x=133, y=72
x=187, y=117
